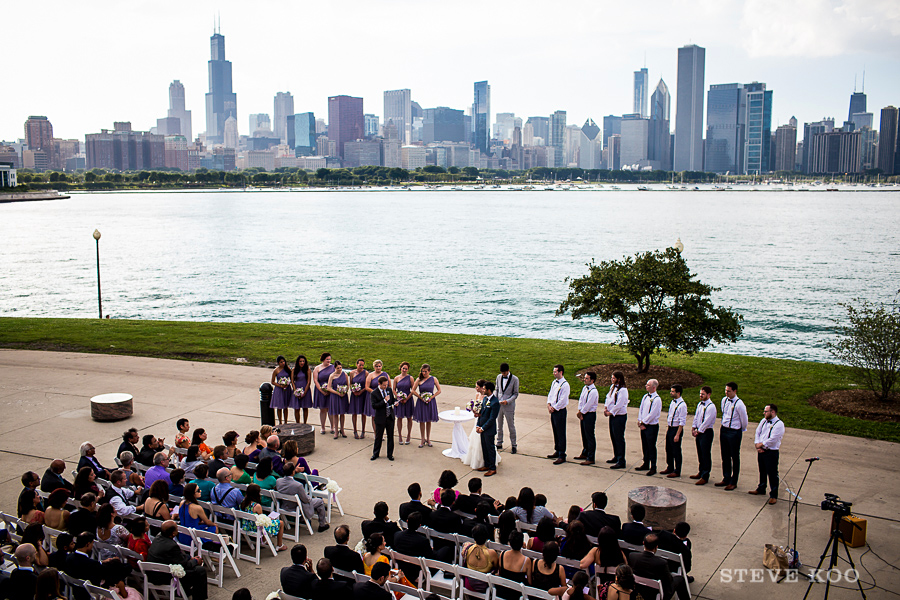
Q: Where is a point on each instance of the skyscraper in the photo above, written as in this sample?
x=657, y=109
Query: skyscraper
x=659, y=134
x=809, y=131
x=641, y=85
x=444, y=124
x=857, y=105
x=887, y=140
x=230, y=134
x=481, y=113
x=398, y=108
x=590, y=153
x=345, y=121
x=38, y=133
x=284, y=106
x=612, y=125
x=259, y=122
x=785, y=147
x=301, y=133
x=371, y=125
x=558, y=137
x=689, y=109
x=176, y=109
x=758, y=117
x=540, y=127
x=221, y=101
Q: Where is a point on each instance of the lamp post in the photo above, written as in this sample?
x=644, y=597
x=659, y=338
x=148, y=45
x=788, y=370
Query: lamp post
x=99, y=300
x=679, y=247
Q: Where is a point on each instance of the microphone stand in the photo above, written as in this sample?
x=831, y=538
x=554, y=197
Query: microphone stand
x=795, y=509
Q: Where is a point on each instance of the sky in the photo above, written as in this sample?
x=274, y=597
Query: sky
x=87, y=64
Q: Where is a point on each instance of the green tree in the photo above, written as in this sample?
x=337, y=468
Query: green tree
x=90, y=177
x=323, y=173
x=870, y=344
x=453, y=170
x=471, y=171
x=656, y=303
x=435, y=169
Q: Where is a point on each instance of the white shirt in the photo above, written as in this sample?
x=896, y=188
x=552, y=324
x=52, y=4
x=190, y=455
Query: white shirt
x=119, y=505
x=617, y=402
x=558, y=397
x=734, y=414
x=705, y=417
x=677, y=413
x=648, y=414
x=589, y=399
x=769, y=433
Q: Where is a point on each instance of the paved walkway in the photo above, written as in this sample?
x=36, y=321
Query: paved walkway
x=46, y=414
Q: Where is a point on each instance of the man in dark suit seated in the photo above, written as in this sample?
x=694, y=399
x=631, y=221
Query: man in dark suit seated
x=342, y=556
x=85, y=518
x=647, y=564
x=53, y=477
x=445, y=520
x=23, y=579
x=412, y=543
x=677, y=541
x=164, y=550
x=467, y=503
x=381, y=524
x=298, y=578
x=634, y=532
x=151, y=446
x=88, y=460
x=80, y=565
x=415, y=504
x=594, y=520
x=372, y=589
x=326, y=588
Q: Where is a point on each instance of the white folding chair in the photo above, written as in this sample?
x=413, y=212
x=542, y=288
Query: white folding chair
x=654, y=585
x=399, y=557
x=100, y=593
x=71, y=584
x=314, y=481
x=502, y=582
x=225, y=520
x=444, y=578
x=464, y=592
x=216, y=560
x=432, y=535
x=171, y=589
x=409, y=593
x=533, y=592
x=254, y=539
x=285, y=596
x=294, y=516
x=360, y=577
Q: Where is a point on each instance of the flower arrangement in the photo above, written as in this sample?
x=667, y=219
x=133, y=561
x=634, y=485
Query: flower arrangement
x=473, y=406
x=332, y=486
x=341, y=390
x=273, y=596
x=402, y=397
x=356, y=388
x=263, y=521
x=299, y=392
x=285, y=381
x=361, y=546
x=177, y=571
x=426, y=397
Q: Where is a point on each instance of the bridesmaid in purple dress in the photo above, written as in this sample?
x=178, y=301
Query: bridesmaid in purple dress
x=301, y=386
x=358, y=399
x=372, y=383
x=404, y=409
x=426, y=389
x=320, y=378
x=281, y=396
x=338, y=403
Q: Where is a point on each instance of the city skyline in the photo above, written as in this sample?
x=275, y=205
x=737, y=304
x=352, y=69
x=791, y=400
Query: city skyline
x=809, y=84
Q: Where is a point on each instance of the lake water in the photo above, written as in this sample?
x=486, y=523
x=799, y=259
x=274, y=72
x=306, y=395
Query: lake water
x=484, y=262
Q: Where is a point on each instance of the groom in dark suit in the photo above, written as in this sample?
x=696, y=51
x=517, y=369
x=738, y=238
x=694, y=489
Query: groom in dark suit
x=383, y=403
x=487, y=427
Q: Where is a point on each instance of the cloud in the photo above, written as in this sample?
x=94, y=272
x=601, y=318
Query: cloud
x=820, y=28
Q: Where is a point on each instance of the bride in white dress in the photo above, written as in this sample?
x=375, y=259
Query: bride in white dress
x=475, y=457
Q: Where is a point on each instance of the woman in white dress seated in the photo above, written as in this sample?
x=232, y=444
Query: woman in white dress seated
x=475, y=457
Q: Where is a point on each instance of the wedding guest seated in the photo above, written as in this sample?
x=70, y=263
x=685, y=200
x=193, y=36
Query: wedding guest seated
x=108, y=530
x=30, y=481
x=672, y=541
x=218, y=459
x=164, y=550
x=151, y=445
x=373, y=589
x=253, y=503
x=265, y=479
x=86, y=482
x=634, y=532
x=119, y=495
x=177, y=479
x=28, y=509
x=84, y=519
x=156, y=506
x=198, y=438
x=478, y=557
x=596, y=518
x=623, y=587
x=56, y=516
x=225, y=494
x=297, y=579
x=543, y=534
x=271, y=452
x=510, y=503
x=192, y=515
x=252, y=443
x=445, y=520
x=158, y=471
x=482, y=517
x=138, y=536
x=467, y=503
x=575, y=545
x=190, y=460
x=65, y=544
x=447, y=481
x=506, y=524
x=264, y=432
x=230, y=440
x=47, y=585
x=647, y=564
x=375, y=546
x=34, y=535
x=578, y=587
x=415, y=504
x=380, y=524
x=289, y=485
x=238, y=472
x=53, y=477
x=89, y=460
x=131, y=476
x=527, y=511
x=204, y=484
x=129, y=441
x=23, y=579
x=291, y=453
x=546, y=573
x=412, y=543
x=606, y=553
x=574, y=512
x=181, y=438
x=514, y=566
x=341, y=555
x=327, y=588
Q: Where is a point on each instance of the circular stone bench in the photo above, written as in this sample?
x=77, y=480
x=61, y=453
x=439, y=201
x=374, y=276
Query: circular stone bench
x=303, y=434
x=665, y=507
x=112, y=407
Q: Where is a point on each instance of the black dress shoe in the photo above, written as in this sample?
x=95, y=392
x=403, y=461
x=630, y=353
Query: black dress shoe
x=324, y=527
x=612, y=461
x=643, y=467
x=373, y=457
x=554, y=455
x=559, y=461
x=651, y=472
x=390, y=458
x=618, y=466
x=499, y=446
x=513, y=450
x=580, y=457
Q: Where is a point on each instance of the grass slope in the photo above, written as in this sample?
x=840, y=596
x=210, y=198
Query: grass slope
x=456, y=359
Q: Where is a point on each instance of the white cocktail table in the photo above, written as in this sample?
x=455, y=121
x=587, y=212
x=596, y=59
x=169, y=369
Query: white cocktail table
x=460, y=440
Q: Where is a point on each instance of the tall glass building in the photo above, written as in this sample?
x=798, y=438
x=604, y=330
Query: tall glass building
x=738, y=128
x=221, y=101
x=759, y=128
x=558, y=137
x=301, y=133
x=689, y=109
x=641, y=89
x=482, y=115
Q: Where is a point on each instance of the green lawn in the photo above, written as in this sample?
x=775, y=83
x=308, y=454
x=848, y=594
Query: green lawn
x=455, y=359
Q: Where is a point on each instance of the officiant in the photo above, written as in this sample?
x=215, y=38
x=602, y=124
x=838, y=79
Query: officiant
x=487, y=427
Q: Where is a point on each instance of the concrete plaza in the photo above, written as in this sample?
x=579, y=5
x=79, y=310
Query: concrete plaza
x=45, y=399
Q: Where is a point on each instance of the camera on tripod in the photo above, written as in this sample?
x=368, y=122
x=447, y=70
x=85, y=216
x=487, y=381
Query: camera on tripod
x=841, y=508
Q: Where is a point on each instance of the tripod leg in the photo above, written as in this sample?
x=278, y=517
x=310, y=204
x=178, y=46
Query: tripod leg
x=814, y=576
x=853, y=565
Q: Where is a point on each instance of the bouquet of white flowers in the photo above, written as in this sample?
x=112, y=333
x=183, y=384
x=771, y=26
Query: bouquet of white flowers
x=177, y=571
x=273, y=596
x=263, y=521
x=473, y=405
x=299, y=392
x=356, y=387
x=426, y=397
x=283, y=381
x=401, y=397
x=361, y=546
x=341, y=390
x=332, y=486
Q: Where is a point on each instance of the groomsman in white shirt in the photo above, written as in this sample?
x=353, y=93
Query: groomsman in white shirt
x=676, y=420
x=734, y=424
x=507, y=387
x=703, y=432
x=648, y=422
x=587, y=414
x=769, y=433
x=616, y=410
x=557, y=401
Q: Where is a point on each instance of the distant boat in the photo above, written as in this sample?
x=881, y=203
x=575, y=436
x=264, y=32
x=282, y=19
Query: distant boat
x=643, y=188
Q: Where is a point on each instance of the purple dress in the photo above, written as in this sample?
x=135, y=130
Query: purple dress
x=281, y=397
x=426, y=413
x=358, y=403
x=406, y=409
x=300, y=383
x=338, y=403
x=369, y=411
x=320, y=400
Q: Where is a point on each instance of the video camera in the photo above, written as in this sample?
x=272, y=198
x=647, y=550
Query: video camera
x=839, y=507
